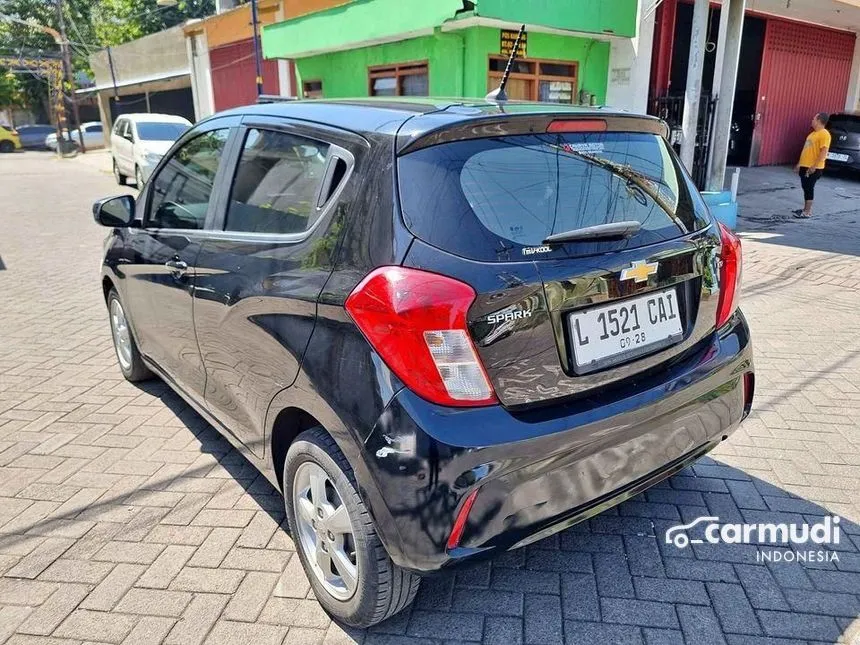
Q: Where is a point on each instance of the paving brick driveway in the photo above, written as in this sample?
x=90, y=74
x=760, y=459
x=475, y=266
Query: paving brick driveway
x=124, y=518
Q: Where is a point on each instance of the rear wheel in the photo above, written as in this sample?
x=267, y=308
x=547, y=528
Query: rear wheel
x=7, y=146
x=130, y=361
x=120, y=178
x=352, y=575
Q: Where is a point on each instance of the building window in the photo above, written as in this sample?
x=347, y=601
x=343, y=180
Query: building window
x=312, y=89
x=408, y=79
x=550, y=81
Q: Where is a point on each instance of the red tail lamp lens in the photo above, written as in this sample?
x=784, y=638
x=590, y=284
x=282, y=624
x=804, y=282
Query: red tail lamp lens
x=416, y=321
x=460, y=521
x=577, y=125
x=730, y=275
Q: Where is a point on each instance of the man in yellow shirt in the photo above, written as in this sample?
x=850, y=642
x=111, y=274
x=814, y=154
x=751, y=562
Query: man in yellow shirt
x=811, y=163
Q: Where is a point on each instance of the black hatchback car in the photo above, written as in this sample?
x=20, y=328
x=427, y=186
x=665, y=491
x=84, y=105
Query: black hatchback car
x=844, y=149
x=442, y=329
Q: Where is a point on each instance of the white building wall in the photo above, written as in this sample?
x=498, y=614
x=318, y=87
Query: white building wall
x=630, y=64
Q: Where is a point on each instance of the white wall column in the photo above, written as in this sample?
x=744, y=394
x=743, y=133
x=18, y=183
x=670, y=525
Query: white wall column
x=698, y=40
x=630, y=64
x=728, y=80
x=852, y=100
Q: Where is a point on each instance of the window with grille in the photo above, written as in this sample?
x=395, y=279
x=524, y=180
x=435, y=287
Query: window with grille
x=549, y=81
x=407, y=79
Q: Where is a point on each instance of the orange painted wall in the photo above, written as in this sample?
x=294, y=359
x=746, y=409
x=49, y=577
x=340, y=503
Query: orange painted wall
x=235, y=25
x=295, y=8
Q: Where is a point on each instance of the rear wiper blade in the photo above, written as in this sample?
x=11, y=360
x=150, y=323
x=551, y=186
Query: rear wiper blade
x=610, y=231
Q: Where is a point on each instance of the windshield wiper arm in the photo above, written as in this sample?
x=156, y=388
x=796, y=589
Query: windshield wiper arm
x=610, y=231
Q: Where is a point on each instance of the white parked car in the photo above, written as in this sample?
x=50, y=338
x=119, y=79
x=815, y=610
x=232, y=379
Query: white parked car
x=138, y=141
x=93, y=136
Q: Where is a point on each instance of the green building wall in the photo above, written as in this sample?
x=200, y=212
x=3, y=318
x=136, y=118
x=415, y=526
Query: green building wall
x=457, y=60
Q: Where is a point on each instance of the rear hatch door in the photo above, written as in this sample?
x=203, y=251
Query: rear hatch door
x=556, y=319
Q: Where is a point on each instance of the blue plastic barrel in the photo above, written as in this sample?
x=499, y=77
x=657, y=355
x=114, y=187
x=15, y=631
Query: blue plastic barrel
x=722, y=207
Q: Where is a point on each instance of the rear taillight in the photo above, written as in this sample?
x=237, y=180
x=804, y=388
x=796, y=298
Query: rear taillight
x=416, y=321
x=730, y=275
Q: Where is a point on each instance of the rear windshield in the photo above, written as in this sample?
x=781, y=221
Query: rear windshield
x=847, y=122
x=151, y=131
x=498, y=199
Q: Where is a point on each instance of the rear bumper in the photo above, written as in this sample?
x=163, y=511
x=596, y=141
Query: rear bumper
x=538, y=472
x=853, y=161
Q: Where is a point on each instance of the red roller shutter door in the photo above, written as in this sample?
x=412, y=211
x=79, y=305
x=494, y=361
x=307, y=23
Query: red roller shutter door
x=805, y=69
x=234, y=75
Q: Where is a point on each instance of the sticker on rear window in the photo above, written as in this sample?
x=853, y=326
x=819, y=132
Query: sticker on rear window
x=591, y=148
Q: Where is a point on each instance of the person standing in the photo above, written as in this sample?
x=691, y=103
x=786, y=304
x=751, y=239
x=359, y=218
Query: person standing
x=811, y=163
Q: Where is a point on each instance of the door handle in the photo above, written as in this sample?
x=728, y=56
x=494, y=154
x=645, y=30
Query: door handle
x=177, y=267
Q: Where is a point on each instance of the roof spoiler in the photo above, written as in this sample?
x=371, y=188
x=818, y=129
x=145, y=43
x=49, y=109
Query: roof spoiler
x=275, y=98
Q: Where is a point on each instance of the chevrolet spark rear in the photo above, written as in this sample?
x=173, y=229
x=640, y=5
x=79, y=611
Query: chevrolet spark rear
x=565, y=323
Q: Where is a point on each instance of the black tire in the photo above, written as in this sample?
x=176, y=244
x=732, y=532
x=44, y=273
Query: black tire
x=7, y=146
x=383, y=588
x=136, y=370
x=120, y=178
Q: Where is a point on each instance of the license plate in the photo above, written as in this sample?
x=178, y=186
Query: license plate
x=610, y=334
x=837, y=156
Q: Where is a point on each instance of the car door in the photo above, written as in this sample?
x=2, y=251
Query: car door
x=259, y=274
x=162, y=251
x=94, y=136
x=118, y=143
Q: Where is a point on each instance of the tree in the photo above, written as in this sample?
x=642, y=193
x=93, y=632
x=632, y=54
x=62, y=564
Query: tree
x=10, y=90
x=90, y=26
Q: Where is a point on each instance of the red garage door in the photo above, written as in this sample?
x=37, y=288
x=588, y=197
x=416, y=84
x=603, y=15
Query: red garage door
x=234, y=75
x=805, y=70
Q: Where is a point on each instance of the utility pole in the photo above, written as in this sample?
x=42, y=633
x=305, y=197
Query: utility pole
x=729, y=75
x=255, y=21
x=690, y=123
x=67, y=69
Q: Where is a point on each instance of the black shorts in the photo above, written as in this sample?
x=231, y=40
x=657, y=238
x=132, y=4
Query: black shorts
x=808, y=183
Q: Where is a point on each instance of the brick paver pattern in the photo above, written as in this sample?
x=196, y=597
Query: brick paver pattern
x=125, y=518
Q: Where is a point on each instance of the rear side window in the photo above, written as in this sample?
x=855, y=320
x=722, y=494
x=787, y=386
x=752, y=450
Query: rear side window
x=277, y=183
x=498, y=199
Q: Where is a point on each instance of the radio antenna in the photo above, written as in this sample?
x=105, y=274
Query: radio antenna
x=499, y=94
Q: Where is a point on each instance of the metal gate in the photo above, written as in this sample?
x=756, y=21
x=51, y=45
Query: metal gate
x=805, y=70
x=234, y=75
x=671, y=109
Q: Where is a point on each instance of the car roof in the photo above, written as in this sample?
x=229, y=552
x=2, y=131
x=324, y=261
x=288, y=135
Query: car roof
x=387, y=114
x=142, y=117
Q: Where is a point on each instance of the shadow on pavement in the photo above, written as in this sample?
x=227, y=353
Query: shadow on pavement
x=768, y=195
x=612, y=578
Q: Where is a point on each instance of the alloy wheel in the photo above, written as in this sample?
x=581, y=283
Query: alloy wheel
x=325, y=530
x=121, y=334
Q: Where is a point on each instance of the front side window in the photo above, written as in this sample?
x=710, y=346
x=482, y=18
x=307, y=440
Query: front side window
x=277, y=183
x=182, y=188
x=400, y=80
x=94, y=128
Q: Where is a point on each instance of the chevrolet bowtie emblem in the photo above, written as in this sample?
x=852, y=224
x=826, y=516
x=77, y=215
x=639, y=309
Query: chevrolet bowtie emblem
x=639, y=271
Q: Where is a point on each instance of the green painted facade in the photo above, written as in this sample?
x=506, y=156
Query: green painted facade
x=457, y=62
x=336, y=46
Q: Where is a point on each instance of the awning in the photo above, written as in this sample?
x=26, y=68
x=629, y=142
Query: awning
x=360, y=23
x=142, y=80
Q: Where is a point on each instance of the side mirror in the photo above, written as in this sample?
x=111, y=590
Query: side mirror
x=114, y=212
